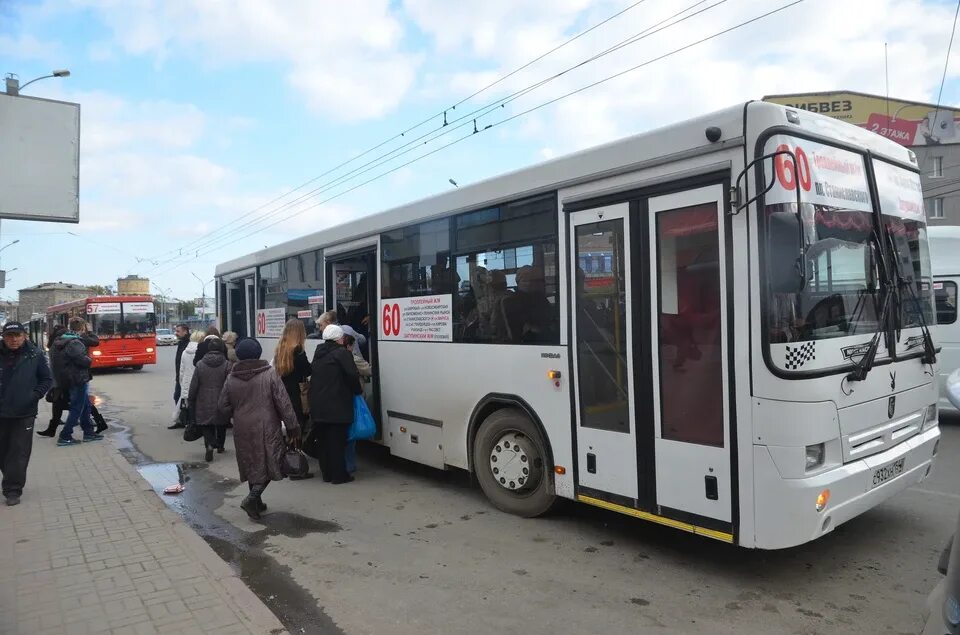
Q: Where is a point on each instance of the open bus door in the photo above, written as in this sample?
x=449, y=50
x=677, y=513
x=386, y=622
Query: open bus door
x=351, y=292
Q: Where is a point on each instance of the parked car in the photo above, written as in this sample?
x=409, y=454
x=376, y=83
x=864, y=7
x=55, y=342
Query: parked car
x=165, y=337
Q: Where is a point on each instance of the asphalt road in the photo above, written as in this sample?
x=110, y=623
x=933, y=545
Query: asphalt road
x=408, y=549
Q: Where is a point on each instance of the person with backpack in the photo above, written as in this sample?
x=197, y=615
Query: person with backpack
x=59, y=397
x=72, y=371
x=24, y=379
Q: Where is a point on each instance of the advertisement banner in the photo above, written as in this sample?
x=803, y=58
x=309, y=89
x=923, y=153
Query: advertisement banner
x=315, y=299
x=427, y=318
x=906, y=122
x=270, y=322
x=99, y=308
x=825, y=175
x=138, y=307
x=304, y=314
x=900, y=193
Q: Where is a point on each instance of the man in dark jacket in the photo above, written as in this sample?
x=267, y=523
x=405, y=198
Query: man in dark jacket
x=333, y=383
x=24, y=379
x=72, y=368
x=182, y=331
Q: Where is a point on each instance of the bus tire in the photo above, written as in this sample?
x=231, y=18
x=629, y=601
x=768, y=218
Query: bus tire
x=511, y=464
x=137, y=367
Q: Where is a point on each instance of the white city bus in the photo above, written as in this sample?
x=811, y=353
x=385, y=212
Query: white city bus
x=945, y=264
x=638, y=328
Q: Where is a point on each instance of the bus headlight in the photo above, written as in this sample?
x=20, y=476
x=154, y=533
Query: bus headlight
x=97, y=353
x=815, y=455
x=149, y=349
x=931, y=416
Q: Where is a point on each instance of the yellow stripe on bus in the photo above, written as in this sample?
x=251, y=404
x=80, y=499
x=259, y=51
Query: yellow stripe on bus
x=669, y=522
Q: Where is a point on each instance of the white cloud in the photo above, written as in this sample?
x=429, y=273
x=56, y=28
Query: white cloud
x=346, y=58
x=28, y=47
x=819, y=45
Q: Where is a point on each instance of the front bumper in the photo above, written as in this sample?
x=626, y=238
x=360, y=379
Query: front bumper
x=785, y=508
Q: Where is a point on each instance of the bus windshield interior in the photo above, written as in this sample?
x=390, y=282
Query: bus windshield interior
x=104, y=324
x=840, y=293
x=137, y=323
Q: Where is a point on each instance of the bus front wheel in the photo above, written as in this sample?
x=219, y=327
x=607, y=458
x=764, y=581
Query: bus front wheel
x=137, y=367
x=510, y=460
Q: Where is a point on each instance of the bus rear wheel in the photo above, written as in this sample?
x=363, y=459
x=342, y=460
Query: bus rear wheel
x=510, y=460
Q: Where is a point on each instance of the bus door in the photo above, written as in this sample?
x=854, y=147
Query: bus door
x=604, y=333
x=351, y=281
x=688, y=342
x=241, y=306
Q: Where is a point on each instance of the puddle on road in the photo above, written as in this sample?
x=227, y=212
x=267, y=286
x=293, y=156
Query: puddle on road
x=204, y=491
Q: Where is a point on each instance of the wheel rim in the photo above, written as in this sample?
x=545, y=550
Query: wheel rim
x=515, y=462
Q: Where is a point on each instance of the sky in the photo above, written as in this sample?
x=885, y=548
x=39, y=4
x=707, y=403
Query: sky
x=199, y=119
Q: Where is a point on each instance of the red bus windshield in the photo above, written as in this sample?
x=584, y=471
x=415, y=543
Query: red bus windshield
x=121, y=318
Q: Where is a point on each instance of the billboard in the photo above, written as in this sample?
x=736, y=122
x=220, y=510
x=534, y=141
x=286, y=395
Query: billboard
x=40, y=155
x=908, y=123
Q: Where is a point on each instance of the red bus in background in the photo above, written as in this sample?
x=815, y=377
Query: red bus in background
x=125, y=324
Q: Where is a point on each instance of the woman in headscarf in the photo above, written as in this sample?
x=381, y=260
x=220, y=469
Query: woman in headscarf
x=333, y=385
x=256, y=399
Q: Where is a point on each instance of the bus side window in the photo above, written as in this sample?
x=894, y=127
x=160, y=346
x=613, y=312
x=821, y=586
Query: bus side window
x=946, y=300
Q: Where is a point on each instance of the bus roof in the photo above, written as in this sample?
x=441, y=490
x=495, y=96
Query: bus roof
x=99, y=298
x=659, y=146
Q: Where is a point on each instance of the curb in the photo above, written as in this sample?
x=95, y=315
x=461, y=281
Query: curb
x=245, y=603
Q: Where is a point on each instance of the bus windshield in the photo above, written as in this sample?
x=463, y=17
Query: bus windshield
x=901, y=206
x=834, y=290
x=138, y=318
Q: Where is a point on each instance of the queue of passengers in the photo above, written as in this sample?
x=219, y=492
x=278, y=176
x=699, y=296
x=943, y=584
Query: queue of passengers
x=272, y=406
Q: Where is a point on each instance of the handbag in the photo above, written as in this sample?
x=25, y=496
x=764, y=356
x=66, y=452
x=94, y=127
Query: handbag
x=311, y=444
x=192, y=432
x=363, y=426
x=305, y=397
x=294, y=463
x=53, y=395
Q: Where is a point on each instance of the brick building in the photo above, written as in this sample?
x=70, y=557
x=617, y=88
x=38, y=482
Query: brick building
x=38, y=298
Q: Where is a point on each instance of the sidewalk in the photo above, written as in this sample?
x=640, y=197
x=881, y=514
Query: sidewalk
x=92, y=549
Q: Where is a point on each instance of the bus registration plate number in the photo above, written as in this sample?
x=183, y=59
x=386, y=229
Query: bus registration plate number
x=890, y=470
x=124, y=359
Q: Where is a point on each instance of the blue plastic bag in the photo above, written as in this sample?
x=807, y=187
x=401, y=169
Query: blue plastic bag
x=363, y=426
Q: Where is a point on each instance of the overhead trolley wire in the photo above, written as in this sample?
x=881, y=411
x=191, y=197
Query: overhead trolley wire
x=501, y=122
x=450, y=126
x=418, y=125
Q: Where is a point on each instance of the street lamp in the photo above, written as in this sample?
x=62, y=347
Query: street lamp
x=13, y=82
x=14, y=242
x=203, y=296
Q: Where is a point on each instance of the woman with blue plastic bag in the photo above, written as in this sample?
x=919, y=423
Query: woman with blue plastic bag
x=334, y=383
x=363, y=426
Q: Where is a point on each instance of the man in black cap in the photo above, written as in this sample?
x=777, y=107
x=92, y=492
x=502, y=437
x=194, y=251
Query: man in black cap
x=24, y=379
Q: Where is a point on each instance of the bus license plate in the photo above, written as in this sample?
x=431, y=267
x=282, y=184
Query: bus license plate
x=890, y=470
x=124, y=359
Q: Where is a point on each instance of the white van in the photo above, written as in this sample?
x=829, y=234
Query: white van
x=945, y=262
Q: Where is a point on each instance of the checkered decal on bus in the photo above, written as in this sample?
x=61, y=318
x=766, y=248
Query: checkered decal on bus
x=797, y=356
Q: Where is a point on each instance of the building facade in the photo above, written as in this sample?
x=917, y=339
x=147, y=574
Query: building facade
x=931, y=131
x=39, y=298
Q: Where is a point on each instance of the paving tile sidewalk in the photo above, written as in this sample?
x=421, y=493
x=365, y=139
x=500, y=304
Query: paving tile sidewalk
x=92, y=549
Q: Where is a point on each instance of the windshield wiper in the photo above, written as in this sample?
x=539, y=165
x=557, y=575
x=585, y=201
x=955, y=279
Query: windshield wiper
x=929, y=350
x=863, y=367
